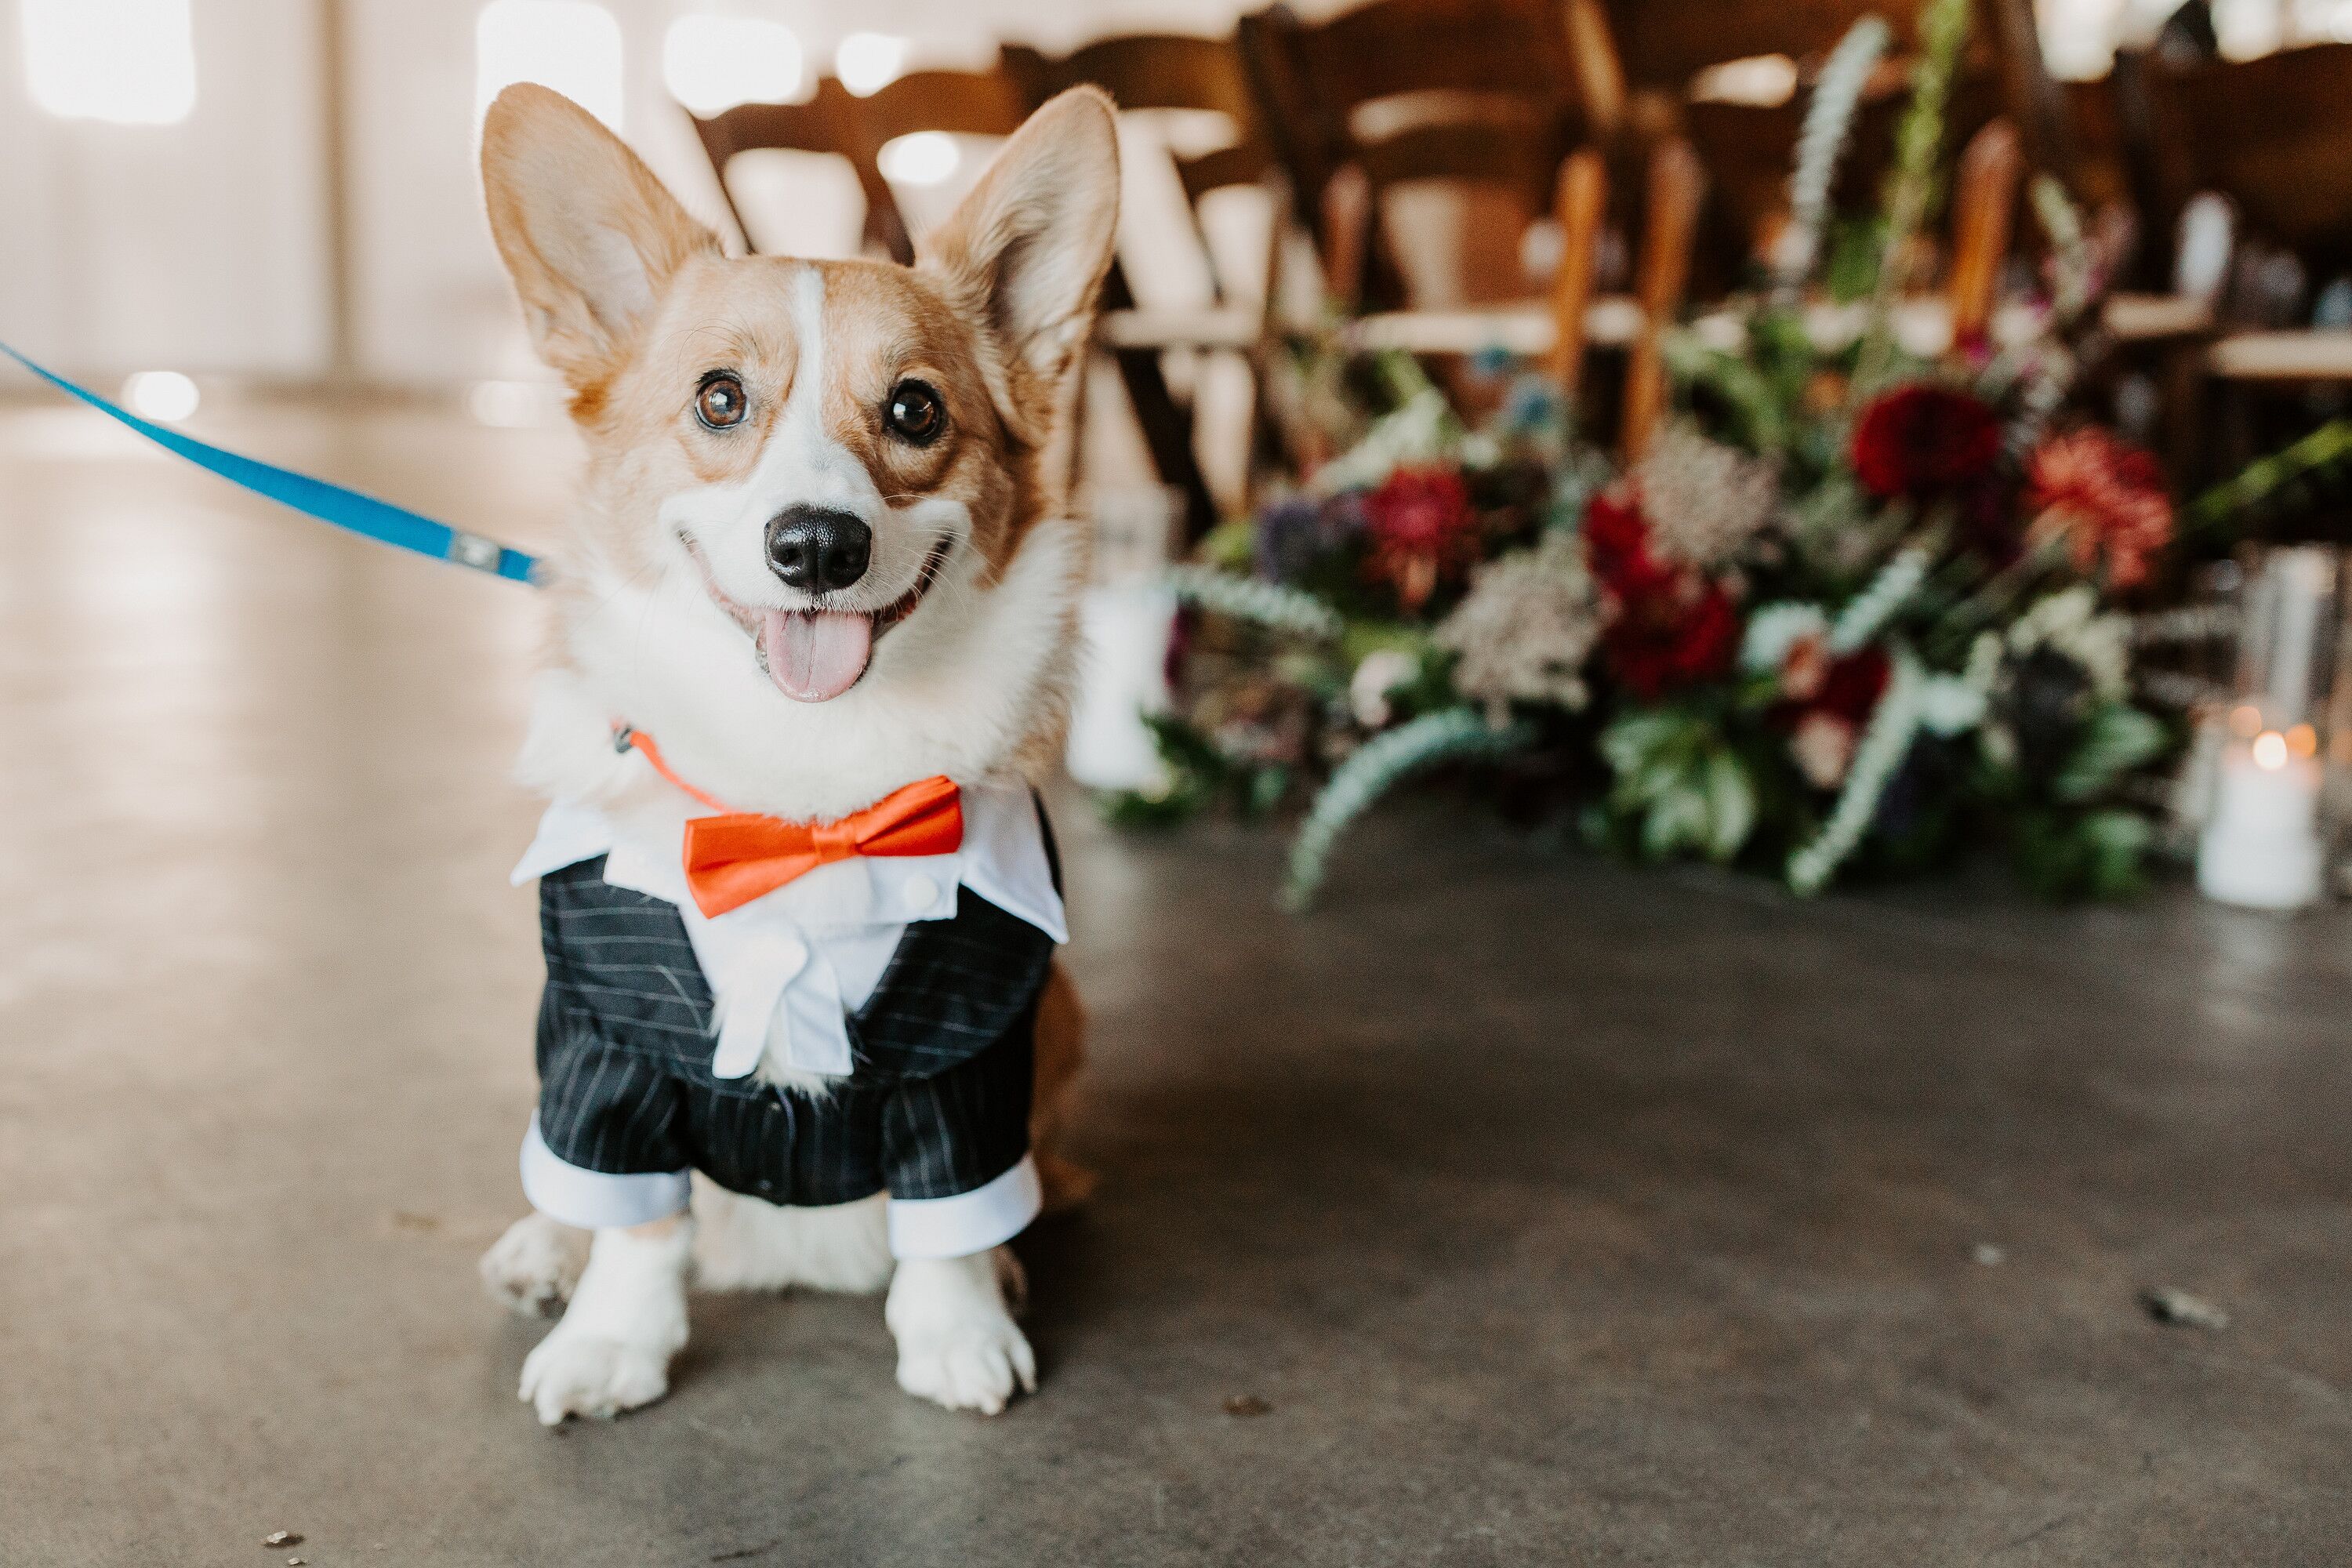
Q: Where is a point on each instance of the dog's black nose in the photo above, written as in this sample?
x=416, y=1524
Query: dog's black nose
x=817, y=550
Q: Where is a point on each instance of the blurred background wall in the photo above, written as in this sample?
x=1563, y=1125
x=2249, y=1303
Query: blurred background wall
x=284, y=190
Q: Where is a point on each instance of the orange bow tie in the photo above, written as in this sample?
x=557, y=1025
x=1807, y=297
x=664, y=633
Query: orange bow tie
x=739, y=856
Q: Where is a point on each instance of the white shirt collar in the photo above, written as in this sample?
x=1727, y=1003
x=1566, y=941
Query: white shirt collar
x=788, y=968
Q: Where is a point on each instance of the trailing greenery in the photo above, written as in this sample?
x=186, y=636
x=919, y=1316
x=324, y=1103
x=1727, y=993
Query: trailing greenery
x=2073, y=282
x=1875, y=607
x=1884, y=745
x=1256, y=601
x=1378, y=766
x=1917, y=182
x=2266, y=480
x=1829, y=124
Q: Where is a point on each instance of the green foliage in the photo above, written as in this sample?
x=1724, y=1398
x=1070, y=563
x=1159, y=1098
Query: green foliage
x=1917, y=182
x=1829, y=124
x=1260, y=603
x=1680, y=785
x=2119, y=740
x=1855, y=246
x=2268, y=483
x=2064, y=856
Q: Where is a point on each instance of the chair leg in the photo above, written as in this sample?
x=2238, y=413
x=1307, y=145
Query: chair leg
x=1167, y=428
x=1168, y=432
x=1579, y=208
x=1670, y=223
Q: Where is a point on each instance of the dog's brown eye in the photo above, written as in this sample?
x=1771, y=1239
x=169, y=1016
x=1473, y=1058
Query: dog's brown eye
x=915, y=413
x=720, y=401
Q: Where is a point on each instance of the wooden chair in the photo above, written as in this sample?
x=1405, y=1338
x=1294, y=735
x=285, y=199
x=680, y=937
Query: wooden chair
x=1493, y=93
x=956, y=103
x=1748, y=151
x=819, y=126
x=1665, y=46
x=1164, y=72
x=2271, y=136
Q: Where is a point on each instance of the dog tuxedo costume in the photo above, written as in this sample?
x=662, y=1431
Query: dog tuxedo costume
x=899, y=955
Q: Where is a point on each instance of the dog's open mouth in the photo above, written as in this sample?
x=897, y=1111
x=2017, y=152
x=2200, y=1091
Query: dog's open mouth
x=815, y=655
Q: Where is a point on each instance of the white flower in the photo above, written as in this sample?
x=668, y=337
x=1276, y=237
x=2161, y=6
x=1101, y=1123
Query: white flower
x=1382, y=672
x=1950, y=705
x=1704, y=502
x=1774, y=629
x=2070, y=622
x=1526, y=628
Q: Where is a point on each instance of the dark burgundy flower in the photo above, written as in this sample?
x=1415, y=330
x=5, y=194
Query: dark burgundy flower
x=1617, y=546
x=1855, y=684
x=1421, y=530
x=1669, y=625
x=1826, y=700
x=1921, y=440
x=1677, y=635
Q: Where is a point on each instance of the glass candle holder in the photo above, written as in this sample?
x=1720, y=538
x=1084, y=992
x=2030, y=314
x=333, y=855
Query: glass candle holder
x=2261, y=845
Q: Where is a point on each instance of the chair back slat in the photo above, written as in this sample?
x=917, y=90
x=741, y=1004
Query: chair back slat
x=1984, y=205
x=1480, y=94
x=1461, y=60
x=817, y=126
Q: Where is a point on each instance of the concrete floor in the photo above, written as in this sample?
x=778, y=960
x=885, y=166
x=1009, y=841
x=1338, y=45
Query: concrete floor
x=1559, y=1214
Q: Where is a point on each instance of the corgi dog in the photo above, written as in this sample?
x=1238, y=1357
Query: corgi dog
x=820, y=582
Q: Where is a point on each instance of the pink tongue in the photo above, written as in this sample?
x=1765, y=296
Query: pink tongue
x=814, y=657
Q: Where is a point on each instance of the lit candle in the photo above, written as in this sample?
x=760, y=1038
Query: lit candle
x=2260, y=846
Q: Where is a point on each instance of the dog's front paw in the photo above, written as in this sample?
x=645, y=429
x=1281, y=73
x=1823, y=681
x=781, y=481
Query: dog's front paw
x=576, y=1374
x=973, y=1366
x=533, y=1268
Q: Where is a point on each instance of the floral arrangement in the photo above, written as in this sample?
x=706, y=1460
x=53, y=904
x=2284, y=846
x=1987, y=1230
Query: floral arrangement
x=1853, y=609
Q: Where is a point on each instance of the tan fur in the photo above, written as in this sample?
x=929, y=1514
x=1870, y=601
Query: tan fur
x=1061, y=1052
x=633, y=302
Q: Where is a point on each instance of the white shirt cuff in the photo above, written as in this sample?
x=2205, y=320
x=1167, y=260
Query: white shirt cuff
x=597, y=1200
x=968, y=1221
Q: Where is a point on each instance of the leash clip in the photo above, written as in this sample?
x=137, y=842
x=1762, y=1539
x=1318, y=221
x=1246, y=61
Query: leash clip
x=473, y=549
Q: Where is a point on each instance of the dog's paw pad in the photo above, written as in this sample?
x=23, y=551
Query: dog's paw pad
x=969, y=1368
x=572, y=1374
x=531, y=1269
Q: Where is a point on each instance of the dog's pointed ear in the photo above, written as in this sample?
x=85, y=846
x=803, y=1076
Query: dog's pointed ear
x=589, y=236
x=1026, y=250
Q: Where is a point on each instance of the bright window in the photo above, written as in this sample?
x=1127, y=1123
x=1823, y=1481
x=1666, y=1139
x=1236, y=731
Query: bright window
x=572, y=46
x=920, y=158
x=714, y=62
x=132, y=62
x=868, y=62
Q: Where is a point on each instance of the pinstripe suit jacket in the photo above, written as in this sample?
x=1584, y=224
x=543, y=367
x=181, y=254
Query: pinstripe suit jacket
x=937, y=1103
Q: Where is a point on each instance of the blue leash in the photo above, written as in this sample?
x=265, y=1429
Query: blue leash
x=345, y=508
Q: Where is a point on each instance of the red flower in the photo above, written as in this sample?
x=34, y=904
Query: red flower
x=1922, y=440
x=2106, y=499
x=1421, y=529
x=1617, y=546
x=1854, y=685
x=1669, y=625
x=1825, y=701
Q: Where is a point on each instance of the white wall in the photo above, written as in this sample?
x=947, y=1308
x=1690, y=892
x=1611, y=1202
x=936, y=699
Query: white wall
x=199, y=246
x=204, y=246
